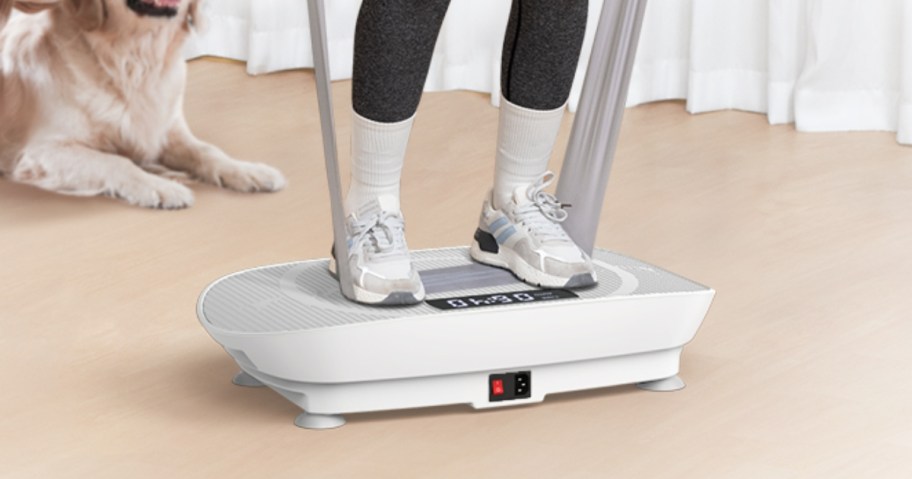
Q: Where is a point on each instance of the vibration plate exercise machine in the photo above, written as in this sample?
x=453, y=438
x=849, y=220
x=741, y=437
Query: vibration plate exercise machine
x=482, y=337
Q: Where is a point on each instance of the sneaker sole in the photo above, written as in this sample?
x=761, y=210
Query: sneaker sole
x=505, y=258
x=395, y=298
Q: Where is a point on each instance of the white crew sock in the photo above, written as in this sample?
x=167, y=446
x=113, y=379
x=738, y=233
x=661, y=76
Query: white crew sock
x=525, y=140
x=378, y=151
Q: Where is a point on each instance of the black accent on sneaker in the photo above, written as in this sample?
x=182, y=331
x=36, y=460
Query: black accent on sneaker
x=486, y=241
x=333, y=264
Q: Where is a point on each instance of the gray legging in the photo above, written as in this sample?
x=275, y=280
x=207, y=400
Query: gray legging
x=394, y=42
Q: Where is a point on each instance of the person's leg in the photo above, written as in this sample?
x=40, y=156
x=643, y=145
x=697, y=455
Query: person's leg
x=394, y=42
x=520, y=223
x=540, y=53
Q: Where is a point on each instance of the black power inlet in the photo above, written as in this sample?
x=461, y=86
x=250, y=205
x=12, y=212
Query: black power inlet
x=522, y=384
x=509, y=386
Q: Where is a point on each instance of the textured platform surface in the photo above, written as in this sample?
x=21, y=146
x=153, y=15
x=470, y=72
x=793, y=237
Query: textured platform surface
x=303, y=295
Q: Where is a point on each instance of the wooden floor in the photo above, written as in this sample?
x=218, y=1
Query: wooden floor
x=801, y=369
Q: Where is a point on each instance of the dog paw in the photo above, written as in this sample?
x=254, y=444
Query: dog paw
x=155, y=192
x=249, y=177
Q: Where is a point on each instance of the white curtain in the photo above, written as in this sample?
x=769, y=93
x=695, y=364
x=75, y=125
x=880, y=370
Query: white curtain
x=826, y=65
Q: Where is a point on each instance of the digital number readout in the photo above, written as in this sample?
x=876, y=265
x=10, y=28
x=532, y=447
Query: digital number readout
x=517, y=297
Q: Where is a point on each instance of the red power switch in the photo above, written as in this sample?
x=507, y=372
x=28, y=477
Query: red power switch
x=497, y=388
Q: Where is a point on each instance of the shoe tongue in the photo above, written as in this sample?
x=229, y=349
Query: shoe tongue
x=383, y=238
x=520, y=196
x=386, y=203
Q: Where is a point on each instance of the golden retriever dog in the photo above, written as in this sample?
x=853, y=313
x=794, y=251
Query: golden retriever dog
x=91, y=103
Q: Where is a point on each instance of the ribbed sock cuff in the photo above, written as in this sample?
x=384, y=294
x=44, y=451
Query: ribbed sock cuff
x=377, y=156
x=525, y=141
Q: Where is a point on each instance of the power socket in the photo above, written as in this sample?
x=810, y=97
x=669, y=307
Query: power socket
x=510, y=386
x=522, y=385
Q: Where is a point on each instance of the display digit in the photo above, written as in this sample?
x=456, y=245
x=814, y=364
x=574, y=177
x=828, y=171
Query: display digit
x=471, y=302
x=524, y=297
x=457, y=303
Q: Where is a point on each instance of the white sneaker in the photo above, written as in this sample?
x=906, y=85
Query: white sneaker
x=525, y=237
x=381, y=270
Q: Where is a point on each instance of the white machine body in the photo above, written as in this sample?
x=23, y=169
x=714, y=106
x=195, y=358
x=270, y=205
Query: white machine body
x=289, y=327
x=482, y=337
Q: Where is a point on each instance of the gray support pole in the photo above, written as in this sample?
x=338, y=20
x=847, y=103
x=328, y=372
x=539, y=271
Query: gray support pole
x=593, y=140
x=316, y=13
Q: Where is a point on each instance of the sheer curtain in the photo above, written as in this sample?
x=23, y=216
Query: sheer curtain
x=826, y=65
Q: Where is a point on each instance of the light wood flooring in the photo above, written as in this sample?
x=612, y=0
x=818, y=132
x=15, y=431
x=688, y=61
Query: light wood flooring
x=801, y=369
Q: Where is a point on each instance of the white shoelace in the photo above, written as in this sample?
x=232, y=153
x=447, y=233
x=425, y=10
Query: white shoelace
x=544, y=214
x=382, y=234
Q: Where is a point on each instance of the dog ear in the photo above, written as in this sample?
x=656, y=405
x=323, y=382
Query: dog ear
x=89, y=14
x=195, y=17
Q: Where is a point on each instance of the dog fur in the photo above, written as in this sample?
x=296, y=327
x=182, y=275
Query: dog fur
x=91, y=103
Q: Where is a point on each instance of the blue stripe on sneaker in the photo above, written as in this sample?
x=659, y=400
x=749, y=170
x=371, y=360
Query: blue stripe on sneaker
x=505, y=235
x=498, y=223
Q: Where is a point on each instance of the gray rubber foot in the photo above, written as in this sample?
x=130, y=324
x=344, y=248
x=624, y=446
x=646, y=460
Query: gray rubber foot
x=319, y=421
x=673, y=383
x=245, y=380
